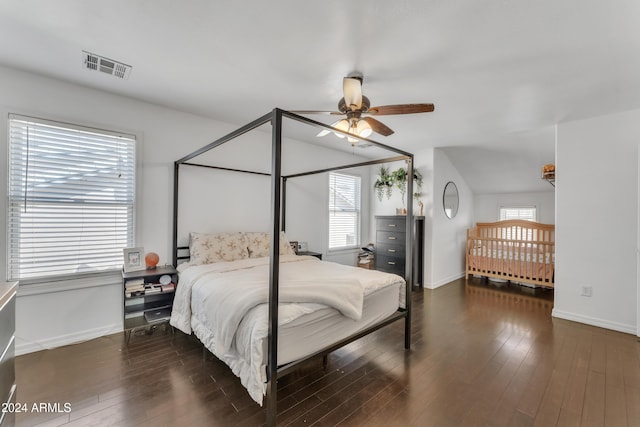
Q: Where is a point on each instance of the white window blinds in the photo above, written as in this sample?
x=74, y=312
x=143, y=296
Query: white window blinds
x=518, y=212
x=71, y=198
x=344, y=210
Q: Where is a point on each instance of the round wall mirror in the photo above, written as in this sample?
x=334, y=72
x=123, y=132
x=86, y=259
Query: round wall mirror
x=450, y=200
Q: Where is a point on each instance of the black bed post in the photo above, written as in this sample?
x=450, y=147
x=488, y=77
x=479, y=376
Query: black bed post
x=408, y=268
x=176, y=170
x=274, y=267
x=284, y=204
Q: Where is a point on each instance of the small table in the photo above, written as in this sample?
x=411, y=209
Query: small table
x=147, y=301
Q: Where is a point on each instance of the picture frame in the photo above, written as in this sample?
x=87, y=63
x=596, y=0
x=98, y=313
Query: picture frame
x=133, y=259
x=294, y=246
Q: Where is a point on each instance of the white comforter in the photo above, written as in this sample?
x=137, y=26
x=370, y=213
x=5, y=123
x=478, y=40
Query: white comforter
x=228, y=291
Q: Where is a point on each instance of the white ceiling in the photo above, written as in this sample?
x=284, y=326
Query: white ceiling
x=500, y=72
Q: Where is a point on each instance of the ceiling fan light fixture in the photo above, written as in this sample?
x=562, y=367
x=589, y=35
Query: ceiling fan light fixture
x=364, y=129
x=352, y=88
x=342, y=125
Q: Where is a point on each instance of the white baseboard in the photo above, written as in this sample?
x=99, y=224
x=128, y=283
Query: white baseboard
x=24, y=347
x=593, y=321
x=445, y=281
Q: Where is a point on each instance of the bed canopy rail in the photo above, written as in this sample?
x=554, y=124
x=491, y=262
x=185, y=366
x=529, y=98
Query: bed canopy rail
x=278, y=182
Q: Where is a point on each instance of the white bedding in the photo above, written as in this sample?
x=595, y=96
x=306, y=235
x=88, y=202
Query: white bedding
x=225, y=305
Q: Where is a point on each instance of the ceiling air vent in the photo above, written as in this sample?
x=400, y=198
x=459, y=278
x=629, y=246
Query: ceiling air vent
x=91, y=61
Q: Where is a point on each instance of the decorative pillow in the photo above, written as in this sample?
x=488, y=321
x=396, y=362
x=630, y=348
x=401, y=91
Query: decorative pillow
x=260, y=242
x=210, y=248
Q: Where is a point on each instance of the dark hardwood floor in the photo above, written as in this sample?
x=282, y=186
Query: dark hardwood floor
x=482, y=355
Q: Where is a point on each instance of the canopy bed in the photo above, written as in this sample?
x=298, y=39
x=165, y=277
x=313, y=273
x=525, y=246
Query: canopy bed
x=289, y=308
x=516, y=250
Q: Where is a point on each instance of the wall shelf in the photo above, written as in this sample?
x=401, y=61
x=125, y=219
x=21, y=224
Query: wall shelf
x=549, y=174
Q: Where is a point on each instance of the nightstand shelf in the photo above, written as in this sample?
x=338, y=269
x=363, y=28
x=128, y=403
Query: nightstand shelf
x=310, y=253
x=146, y=302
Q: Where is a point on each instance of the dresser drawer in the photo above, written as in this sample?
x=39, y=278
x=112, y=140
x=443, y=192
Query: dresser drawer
x=7, y=322
x=390, y=237
x=7, y=370
x=391, y=250
x=391, y=224
x=390, y=264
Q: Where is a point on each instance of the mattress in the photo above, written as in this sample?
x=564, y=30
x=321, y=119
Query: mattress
x=304, y=327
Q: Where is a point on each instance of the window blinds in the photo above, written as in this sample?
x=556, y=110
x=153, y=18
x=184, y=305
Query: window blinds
x=527, y=213
x=71, y=198
x=344, y=210
x=520, y=212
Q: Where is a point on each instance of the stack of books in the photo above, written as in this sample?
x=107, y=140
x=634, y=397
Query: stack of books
x=134, y=288
x=366, y=256
x=152, y=288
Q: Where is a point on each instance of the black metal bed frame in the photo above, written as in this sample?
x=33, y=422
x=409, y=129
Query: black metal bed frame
x=278, y=217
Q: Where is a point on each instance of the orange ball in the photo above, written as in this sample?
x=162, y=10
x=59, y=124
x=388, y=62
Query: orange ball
x=151, y=259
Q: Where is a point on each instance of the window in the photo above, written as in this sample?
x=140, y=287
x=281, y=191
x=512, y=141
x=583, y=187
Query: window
x=71, y=198
x=344, y=211
x=520, y=212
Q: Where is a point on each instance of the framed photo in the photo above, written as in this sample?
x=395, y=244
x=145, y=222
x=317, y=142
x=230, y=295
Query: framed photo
x=133, y=259
x=294, y=246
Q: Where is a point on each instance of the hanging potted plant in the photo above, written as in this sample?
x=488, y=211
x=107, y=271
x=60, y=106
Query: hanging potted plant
x=399, y=179
x=383, y=184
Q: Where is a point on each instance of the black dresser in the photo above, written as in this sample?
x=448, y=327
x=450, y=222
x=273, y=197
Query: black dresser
x=390, y=246
x=7, y=351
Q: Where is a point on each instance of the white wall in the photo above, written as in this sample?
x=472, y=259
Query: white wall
x=448, y=237
x=597, y=220
x=487, y=206
x=86, y=308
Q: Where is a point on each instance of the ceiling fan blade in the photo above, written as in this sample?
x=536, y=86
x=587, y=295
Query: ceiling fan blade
x=401, y=109
x=352, y=89
x=378, y=126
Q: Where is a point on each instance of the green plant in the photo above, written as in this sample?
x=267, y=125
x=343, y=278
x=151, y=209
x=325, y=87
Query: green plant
x=399, y=180
x=383, y=184
x=399, y=177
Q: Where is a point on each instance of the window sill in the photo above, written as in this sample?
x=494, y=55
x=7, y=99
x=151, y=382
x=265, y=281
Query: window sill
x=343, y=250
x=70, y=283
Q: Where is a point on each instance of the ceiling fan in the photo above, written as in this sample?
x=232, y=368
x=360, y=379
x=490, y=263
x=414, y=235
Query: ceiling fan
x=358, y=111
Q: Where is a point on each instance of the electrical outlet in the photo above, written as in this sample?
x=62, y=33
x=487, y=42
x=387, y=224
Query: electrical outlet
x=586, y=291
